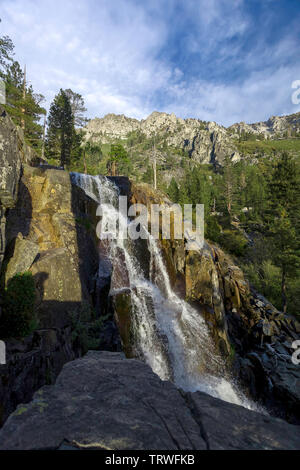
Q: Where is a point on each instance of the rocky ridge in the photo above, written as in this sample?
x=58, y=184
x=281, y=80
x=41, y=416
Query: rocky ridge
x=275, y=125
x=204, y=142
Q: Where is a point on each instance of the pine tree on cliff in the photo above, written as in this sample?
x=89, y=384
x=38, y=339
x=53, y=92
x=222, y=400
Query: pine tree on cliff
x=22, y=104
x=283, y=220
x=61, y=131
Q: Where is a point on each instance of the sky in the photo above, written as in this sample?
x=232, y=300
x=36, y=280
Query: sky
x=218, y=60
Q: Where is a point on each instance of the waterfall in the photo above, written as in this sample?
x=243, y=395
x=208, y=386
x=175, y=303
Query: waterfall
x=169, y=334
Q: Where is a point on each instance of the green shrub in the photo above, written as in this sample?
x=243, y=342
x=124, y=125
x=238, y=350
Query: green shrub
x=18, y=316
x=86, y=328
x=234, y=242
x=266, y=279
x=212, y=229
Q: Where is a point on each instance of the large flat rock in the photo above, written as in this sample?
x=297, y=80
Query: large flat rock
x=104, y=401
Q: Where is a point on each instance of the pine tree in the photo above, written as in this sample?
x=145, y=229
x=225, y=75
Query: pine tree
x=283, y=220
x=118, y=159
x=61, y=131
x=23, y=105
x=148, y=175
x=173, y=191
x=6, y=53
x=229, y=185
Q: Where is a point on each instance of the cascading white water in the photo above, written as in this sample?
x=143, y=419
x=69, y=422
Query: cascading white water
x=170, y=335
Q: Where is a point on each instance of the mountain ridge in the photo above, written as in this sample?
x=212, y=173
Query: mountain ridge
x=205, y=142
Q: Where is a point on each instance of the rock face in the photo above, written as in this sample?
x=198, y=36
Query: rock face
x=57, y=219
x=104, y=401
x=32, y=362
x=205, y=142
x=24, y=255
x=14, y=152
x=254, y=336
x=275, y=125
x=50, y=231
x=202, y=142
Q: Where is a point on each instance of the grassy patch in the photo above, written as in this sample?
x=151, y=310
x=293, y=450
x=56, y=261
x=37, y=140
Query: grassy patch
x=269, y=147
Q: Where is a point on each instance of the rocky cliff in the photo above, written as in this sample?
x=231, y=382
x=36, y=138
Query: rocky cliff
x=49, y=233
x=48, y=230
x=275, y=125
x=204, y=142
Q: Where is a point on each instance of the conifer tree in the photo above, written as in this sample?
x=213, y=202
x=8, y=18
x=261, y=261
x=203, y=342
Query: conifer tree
x=118, y=159
x=61, y=132
x=283, y=220
x=173, y=190
x=22, y=104
x=6, y=52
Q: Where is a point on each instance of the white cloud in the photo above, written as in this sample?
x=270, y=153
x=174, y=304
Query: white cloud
x=109, y=51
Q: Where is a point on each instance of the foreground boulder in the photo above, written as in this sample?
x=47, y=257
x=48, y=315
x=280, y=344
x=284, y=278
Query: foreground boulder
x=104, y=401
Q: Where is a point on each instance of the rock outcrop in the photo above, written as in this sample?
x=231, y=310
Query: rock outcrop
x=50, y=232
x=275, y=125
x=14, y=153
x=106, y=402
x=256, y=338
x=56, y=218
x=204, y=142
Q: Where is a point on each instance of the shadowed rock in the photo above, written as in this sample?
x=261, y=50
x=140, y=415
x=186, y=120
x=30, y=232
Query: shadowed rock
x=104, y=401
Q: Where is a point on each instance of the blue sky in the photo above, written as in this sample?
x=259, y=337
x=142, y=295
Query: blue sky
x=220, y=60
